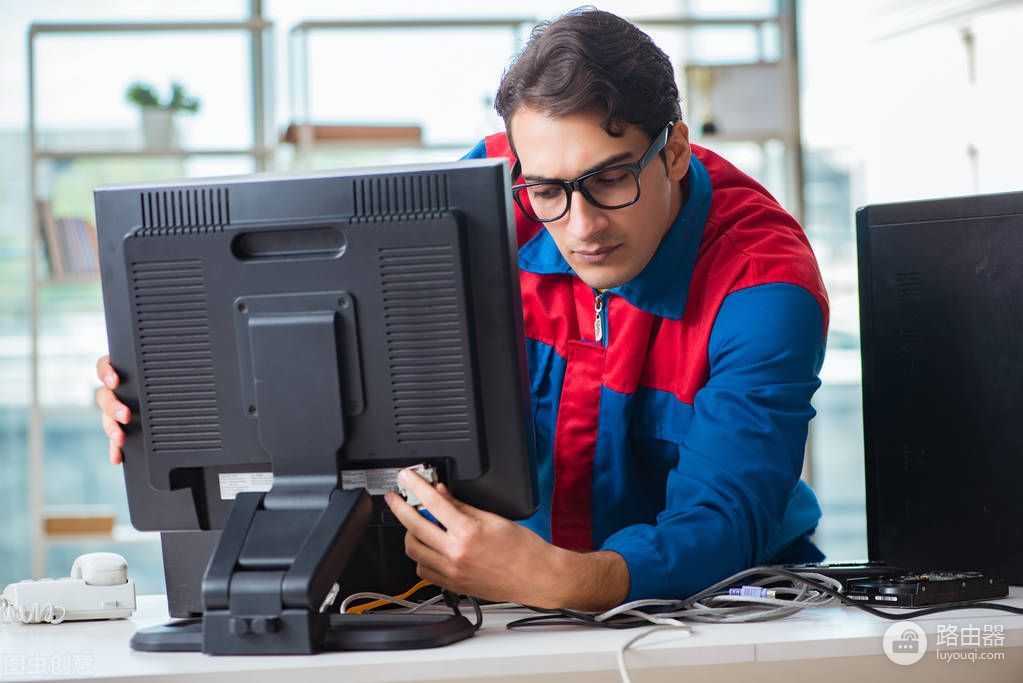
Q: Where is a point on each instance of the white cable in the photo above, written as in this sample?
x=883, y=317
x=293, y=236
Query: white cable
x=834, y=584
x=31, y=614
x=681, y=629
x=427, y=603
x=375, y=596
x=417, y=606
x=658, y=619
x=771, y=601
x=743, y=608
x=493, y=607
x=635, y=604
x=740, y=609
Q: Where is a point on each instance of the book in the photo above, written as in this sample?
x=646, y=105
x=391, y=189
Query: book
x=79, y=244
x=70, y=244
x=83, y=519
x=369, y=134
x=51, y=239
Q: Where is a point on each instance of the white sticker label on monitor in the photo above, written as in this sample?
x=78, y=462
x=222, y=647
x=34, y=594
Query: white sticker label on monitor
x=233, y=483
x=377, y=482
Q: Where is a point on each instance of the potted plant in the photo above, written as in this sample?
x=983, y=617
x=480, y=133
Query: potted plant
x=158, y=118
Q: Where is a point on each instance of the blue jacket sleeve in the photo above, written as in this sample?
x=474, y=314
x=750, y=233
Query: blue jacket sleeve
x=736, y=495
x=477, y=152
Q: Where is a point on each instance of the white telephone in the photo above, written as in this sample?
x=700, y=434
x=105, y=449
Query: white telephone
x=98, y=588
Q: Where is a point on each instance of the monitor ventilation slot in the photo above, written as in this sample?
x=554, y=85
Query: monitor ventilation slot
x=413, y=195
x=429, y=377
x=910, y=343
x=175, y=356
x=908, y=285
x=184, y=212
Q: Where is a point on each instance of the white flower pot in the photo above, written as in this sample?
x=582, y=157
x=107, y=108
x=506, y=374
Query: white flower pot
x=158, y=128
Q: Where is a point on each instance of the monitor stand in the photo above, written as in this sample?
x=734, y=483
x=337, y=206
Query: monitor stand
x=260, y=620
x=273, y=575
x=345, y=632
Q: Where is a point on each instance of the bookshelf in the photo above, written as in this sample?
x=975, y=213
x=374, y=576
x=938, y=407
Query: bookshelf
x=63, y=255
x=775, y=37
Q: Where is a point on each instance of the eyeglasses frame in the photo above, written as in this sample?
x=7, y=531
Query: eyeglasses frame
x=656, y=145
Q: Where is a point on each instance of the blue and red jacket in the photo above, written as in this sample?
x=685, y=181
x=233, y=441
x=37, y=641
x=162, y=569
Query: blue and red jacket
x=677, y=440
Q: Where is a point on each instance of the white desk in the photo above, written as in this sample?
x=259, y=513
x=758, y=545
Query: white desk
x=834, y=644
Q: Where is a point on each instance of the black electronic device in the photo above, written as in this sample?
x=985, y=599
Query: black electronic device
x=941, y=319
x=315, y=332
x=927, y=589
x=847, y=573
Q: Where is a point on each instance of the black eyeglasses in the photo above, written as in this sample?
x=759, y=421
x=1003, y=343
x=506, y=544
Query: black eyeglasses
x=613, y=187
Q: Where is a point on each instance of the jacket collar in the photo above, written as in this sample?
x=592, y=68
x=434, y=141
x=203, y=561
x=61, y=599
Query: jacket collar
x=662, y=287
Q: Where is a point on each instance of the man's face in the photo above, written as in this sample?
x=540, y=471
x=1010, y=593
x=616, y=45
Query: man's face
x=605, y=248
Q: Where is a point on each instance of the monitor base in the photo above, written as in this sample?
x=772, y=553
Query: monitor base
x=346, y=632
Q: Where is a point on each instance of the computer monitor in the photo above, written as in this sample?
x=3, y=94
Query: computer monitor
x=941, y=315
x=315, y=331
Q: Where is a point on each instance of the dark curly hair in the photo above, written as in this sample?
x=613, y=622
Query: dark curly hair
x=590, y=60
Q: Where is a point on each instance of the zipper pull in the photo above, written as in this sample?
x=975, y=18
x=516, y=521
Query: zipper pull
x=598, y=326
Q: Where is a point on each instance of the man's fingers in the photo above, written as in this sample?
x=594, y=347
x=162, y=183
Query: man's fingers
x=113, y=430
x=116, y=436
x=115, y=454
x=439, y=506
x=446, y=492
x=105, y=372
x=434, y=577
x=461, y=506
x=113, y=410
x=109, y=405
x=422, y=528
x=424, y=554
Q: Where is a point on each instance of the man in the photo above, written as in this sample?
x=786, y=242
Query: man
x=675, y=322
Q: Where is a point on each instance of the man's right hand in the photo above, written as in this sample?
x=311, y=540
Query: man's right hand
x=115, y=413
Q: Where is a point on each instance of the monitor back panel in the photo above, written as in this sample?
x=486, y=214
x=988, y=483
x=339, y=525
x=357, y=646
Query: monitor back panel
x=418, y=266
x=941, y=304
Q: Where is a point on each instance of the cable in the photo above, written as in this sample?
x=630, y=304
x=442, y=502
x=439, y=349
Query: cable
x=809, y=591
x=812, y=580
x=379, y=599
x=761, y=599
x=30, y=614
x=624, y=607
x=478, y=611
x=427, y=603
x=681, y=629
x=451, y=600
